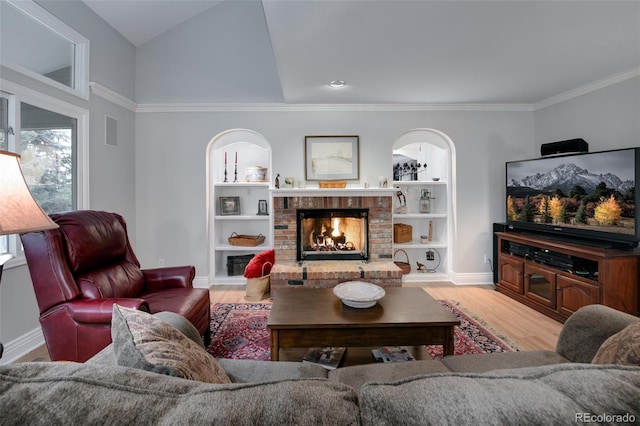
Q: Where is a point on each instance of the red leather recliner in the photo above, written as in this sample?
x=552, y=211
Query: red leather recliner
x=81, y=269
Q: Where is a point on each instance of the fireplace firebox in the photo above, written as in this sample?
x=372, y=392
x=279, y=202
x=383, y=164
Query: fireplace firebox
x=332, y=234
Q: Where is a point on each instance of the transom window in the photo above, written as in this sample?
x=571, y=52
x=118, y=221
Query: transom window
x=35, y=43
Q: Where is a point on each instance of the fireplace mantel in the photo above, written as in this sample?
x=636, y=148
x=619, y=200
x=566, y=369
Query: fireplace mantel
x=332, y=192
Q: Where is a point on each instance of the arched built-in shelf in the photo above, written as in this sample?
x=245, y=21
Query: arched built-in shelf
x=434, y=212
x=242, y=149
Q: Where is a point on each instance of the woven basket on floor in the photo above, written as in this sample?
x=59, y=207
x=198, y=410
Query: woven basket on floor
x=258, y=287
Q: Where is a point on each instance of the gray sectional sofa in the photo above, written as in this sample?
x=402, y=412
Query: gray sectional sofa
x=533, y=387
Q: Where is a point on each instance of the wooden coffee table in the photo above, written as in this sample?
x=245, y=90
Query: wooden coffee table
x=310, y=317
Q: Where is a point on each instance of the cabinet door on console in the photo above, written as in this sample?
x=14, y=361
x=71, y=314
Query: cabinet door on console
x=540, y=285
x=511, y=273
x=574, y=294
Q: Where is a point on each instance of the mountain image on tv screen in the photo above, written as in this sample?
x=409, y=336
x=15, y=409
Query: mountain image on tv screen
x=590, y=191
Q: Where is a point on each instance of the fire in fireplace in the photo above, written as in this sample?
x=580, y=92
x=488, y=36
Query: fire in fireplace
x=330, y=234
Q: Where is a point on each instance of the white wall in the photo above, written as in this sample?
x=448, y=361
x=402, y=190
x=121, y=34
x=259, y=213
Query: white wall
x=171, y=180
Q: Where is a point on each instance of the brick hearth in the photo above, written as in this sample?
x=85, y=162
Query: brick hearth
x=327, y=273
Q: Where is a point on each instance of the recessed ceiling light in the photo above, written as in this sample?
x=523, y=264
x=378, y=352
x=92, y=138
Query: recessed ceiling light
x=337, y=84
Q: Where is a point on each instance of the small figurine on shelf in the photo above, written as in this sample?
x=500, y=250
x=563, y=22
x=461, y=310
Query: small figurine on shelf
x=421, y=267
x=402, y=201
x=408, y=171
x=277, y=183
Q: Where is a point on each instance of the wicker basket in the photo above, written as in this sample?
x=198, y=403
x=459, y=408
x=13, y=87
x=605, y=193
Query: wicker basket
x=258, y=287
x=332, y=184
x=246, y=240
x=405, y=267
x=402, y=233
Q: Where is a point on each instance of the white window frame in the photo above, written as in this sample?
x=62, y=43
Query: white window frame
x=81, y=51
x=18, y=94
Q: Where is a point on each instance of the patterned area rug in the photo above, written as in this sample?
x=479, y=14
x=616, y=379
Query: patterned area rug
x=239, y=331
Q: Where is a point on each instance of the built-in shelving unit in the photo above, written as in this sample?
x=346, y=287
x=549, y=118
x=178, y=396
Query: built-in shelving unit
x=252, y=151
x=422, y=200
x=432, y=253
x=425, y=145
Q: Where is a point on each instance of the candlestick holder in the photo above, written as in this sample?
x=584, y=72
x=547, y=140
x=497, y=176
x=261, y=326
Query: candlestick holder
x=235, y=173
x=225, y=173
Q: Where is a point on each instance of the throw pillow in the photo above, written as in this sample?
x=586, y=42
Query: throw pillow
x=181, y=324
x=143, y=341
x=254, y=267
x=621, y=348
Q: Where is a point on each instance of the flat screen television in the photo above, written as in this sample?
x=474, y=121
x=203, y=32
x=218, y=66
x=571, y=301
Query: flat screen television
x=588, y=198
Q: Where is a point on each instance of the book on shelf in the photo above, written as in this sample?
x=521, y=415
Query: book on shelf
x=327, y=357
x=392, y=354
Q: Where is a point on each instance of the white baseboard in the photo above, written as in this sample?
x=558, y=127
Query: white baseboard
x=474, y=278
x=21, y=346
x=201, y=282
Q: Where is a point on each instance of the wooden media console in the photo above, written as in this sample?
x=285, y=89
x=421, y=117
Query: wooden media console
x=557, y=278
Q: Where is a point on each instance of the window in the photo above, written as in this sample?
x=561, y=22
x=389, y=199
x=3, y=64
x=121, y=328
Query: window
x=37, y=44
x=47, y=142
x=48, y=134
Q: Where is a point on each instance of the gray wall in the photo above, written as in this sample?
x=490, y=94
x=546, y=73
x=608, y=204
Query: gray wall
x=171, y=205
x=608, y=118
x=484, y=140
x=112, y=61
x=185, y=64
x=111, y=170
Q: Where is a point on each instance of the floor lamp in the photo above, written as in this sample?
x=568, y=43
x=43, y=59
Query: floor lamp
x=19, y=211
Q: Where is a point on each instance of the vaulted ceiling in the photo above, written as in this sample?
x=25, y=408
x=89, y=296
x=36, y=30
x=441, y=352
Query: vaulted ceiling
x=410, y=52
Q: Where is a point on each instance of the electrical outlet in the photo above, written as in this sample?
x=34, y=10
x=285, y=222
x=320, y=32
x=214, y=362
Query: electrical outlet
x=161, y=262
x=487, y=259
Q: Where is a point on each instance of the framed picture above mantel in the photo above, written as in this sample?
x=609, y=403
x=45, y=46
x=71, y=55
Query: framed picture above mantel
x=331, y=157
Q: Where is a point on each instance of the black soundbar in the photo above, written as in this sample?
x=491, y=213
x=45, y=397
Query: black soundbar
x=564, y=147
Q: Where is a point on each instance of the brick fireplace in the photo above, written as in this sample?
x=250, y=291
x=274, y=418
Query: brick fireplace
x=379, y=269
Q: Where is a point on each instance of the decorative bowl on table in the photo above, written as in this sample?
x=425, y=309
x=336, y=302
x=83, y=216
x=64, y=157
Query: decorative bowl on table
x=359, y=294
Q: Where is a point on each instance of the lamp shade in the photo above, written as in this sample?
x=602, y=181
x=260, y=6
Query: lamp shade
x=19, y=211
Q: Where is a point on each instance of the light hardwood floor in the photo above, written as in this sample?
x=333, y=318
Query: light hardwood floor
x=516, y=323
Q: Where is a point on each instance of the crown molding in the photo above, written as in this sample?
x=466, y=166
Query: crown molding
x=280, y=107
x=195, y=107
x=112, y=96
x=587, y=88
